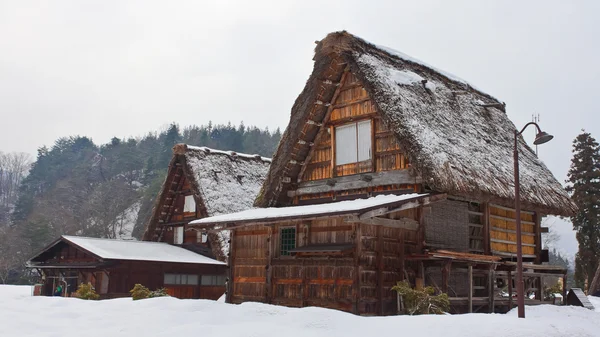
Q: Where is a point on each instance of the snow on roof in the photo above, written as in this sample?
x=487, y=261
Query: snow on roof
x=111, y=249
x=273, y=213
x=457, y=138
x=227, y=181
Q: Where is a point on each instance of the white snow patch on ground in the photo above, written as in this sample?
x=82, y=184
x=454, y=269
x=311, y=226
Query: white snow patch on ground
x=23, y=315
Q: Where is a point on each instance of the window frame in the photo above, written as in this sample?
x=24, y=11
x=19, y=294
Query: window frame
x=287, y=244
x=188, y=200
x=337, y=143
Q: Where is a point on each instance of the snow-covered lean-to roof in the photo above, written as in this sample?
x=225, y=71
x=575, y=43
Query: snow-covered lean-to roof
x=271, y=214
x=458, y=139
x=222, y=182
x=110, y=249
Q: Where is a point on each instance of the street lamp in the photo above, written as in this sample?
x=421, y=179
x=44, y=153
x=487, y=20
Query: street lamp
x=540, y=138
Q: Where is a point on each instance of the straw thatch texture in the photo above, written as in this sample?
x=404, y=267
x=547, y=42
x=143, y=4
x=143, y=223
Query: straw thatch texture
x=456, y=141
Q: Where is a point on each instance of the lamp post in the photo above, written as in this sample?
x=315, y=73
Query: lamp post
x=540, y=138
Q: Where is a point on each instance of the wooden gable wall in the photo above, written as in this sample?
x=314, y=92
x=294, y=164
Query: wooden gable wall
x=170, y=208
x=352, y=104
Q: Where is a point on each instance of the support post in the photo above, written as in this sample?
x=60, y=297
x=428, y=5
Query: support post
x=564, y=289
x=520, y=287
x=510, y=290
x=470, y=297
x=491, y=288
x=446, y=266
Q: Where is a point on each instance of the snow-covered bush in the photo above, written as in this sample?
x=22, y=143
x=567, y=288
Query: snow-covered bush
x=158, y=293
x=139, y=292
x=86, y=291
x=420, y=302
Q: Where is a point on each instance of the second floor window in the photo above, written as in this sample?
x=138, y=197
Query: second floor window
x=353, y=143
x=189, y=206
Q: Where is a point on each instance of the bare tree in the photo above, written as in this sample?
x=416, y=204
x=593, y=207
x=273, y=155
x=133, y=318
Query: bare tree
x=13, y=168
x=12, y=255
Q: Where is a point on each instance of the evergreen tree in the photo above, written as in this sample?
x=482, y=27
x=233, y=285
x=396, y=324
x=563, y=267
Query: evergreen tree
x=584, y=186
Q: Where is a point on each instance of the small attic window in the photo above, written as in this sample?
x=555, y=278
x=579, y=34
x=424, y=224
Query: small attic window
x=189, y=205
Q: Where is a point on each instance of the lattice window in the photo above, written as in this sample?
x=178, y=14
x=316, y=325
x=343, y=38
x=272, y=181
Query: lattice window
x=287, y=240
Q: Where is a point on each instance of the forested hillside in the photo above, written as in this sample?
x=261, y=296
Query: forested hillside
x=102, y=190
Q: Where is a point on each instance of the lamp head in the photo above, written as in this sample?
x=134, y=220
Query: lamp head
x=542, y=137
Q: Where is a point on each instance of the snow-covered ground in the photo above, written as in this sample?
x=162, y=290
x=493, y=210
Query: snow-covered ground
x=24, y=315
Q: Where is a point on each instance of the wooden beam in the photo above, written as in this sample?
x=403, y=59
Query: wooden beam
x=380, y=270
x=470, y=295
x=491, y=288
x=357, y=268
x=324, y=120
x=403, y=223
x=269, y=267
x=510, y=290
x=230, y=281
x=446, y=267
x=486, y=228
x=356, y=181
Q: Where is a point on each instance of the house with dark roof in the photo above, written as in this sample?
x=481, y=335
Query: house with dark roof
x=113, y=267
x=204, y=182
x=391, y=170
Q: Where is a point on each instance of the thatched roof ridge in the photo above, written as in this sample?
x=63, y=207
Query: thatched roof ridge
x=458, y=138
x=221, y=181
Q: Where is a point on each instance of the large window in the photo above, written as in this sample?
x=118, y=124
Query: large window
x=212, y=280
x=189, y=205
x=185, y=279
x=288, y=240
x=353, y=143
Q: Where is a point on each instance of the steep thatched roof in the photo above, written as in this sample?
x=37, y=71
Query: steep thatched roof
x=458, y=138
x=222, y=182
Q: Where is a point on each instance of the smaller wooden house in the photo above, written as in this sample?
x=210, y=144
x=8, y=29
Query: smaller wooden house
x=204, y=182
x=113, y=267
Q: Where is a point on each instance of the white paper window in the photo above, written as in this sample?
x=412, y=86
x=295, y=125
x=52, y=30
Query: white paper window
x=364, y=140
x=345, y=144
x=353, y=143
x=178, y=235
x=190, y=204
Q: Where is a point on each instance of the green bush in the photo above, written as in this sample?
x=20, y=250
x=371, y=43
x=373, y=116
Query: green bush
x=86, y=292
x=158, y=293
x=420, y=302
x=139, y=292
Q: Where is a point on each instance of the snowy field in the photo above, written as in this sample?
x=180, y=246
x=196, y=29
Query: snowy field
x=24, y=315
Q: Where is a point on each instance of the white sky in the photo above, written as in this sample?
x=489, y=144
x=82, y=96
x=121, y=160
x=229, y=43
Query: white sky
x=123, y=68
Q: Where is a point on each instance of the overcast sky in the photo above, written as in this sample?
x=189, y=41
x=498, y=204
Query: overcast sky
x=123, y=68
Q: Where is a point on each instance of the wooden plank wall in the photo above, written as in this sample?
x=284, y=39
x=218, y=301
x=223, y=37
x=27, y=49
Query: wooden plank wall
x=357, y=282
x=352, y=104
x=503, y=231
x=382, y=264
x=250, y=249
